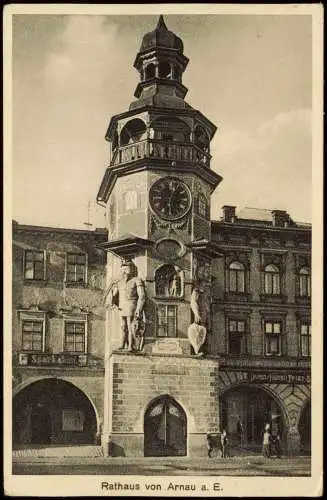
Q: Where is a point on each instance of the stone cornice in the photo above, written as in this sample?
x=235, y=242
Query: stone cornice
x=126, y=245
x=146, y=164
x=205, y=247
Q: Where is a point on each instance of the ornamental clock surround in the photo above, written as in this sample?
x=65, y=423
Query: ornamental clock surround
x=170, y=198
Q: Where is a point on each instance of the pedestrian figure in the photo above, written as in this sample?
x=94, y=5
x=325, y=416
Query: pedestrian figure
x=209, y=444
x=277, y=444
x=266, y=442
x=240, y=430
x=224, y=444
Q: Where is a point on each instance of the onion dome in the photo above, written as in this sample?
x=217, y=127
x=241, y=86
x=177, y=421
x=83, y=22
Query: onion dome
x=161, y=37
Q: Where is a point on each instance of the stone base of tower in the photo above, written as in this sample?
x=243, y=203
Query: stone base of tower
x=161, y=405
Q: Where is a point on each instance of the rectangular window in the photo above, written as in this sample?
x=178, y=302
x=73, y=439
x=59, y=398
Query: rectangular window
x=34, y=265
x=167, y=320
x=76, y=268
x=237, y=337
x=273, y=340
x=32, y=335
x=305, y=339
x=74, y=336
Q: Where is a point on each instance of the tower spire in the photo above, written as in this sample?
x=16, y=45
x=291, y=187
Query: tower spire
x=161, y=23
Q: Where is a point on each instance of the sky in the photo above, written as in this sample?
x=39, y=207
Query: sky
x=249, y=74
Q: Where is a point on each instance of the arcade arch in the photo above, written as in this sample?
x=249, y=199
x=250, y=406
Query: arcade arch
x=53, y=411
x=245, y=410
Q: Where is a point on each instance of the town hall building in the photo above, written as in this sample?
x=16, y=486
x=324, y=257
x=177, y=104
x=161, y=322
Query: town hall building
x=146, y=335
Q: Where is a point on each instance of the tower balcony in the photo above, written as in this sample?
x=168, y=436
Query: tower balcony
x=160, y=150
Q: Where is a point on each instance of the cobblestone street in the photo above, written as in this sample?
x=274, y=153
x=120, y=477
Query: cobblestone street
x=235, y=466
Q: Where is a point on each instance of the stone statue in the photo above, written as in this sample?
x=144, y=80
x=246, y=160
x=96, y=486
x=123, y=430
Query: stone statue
x=200, y=307
x=128, y=296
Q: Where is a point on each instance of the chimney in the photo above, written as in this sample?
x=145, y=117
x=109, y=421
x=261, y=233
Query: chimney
x=228, y=213
x=280, y=218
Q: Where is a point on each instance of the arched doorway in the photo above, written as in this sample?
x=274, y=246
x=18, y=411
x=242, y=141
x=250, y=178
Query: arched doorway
x=253, y=408
x=52, y=411
x=165, y=428
x=305, y=428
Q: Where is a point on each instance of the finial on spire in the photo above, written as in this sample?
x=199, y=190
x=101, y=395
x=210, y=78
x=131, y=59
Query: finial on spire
x=161, y=23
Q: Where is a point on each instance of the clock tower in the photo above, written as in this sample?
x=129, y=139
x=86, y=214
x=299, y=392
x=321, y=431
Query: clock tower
x=156, y=190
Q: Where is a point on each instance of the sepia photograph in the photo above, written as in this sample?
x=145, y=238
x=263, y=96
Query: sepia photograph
x=163, y=249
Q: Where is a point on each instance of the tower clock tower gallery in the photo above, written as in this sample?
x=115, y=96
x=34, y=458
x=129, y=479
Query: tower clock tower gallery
x=160, y=397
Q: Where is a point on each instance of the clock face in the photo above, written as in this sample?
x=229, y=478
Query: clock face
x=170, y=198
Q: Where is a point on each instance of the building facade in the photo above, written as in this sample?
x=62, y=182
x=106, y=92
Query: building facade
x=226, y=342
x=58, y=335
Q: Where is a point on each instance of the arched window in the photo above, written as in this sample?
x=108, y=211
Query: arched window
x=236, y=277
x=133, y=131
x=130, y=201
x=272, y=280
x=201, y=139
x=165, y=70
x=149, y=71
x=305, y=282
x=170, y=129
x=169, y=281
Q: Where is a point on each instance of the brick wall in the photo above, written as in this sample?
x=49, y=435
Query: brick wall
x=138, y=380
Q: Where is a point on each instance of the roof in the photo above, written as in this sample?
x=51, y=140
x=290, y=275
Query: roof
x=161, y=37
x=28, y=227
x=261, y=217
x=262, y=214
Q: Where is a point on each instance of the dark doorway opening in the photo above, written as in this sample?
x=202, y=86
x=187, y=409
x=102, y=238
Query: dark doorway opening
x=305, y=428
x=40, y=425
x=52, y=412
x=253, y=408
x=165, y=429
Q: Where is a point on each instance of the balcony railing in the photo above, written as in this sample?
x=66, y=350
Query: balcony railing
x=160, y=150
x=45, y=359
